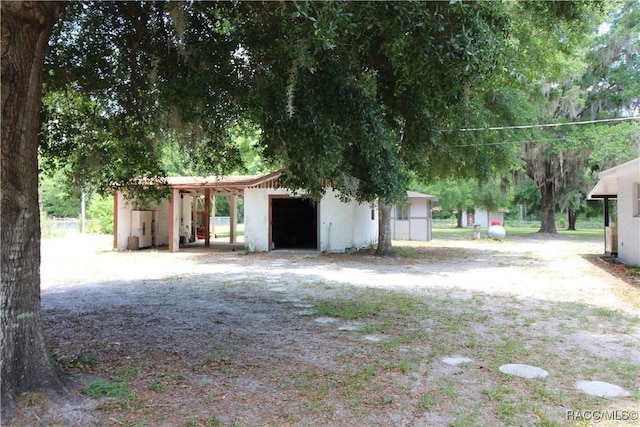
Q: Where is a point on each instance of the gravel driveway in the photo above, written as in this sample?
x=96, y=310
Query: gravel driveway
x=228, y=338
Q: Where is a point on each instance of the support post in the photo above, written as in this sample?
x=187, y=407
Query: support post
x=174, y=221
x=233, y=220
x=116, y=214
x=605, y=210
x=83, y=213
x=194, y=215
x=212, y=221
x=207, y=213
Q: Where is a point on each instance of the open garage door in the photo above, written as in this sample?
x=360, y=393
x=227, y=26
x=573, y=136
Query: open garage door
x=294, y=223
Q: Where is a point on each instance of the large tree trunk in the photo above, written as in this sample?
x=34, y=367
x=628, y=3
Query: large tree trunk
x=548, y=211
x=26, y=363
x=384, y=230
x=459, y=218
x=541, y=171
x=572, y=216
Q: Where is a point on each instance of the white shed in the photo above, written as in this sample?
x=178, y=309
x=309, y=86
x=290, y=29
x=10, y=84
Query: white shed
x=274, y=218
x=485, y=218
x=621, y=183
x=412, y=220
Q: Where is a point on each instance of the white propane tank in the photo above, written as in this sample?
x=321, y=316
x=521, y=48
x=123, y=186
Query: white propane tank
x=496, y=231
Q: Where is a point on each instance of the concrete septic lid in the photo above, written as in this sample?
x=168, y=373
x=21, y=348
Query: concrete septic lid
x=601, y=389
x=326, y=320
x=456, y=360
x=524, y=371
x=351, y=326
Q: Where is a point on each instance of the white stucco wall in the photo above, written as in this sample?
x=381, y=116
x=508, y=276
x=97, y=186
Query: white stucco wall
x=365, y=225
x=162, y=224
x=185, y=216
x=336, y=224
x=340, y=225
x=256, y=218
x=628, y=222
x=123, y=221
x=345, y=225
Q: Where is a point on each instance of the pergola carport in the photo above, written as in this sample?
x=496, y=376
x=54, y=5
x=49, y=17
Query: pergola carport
x=207, y=188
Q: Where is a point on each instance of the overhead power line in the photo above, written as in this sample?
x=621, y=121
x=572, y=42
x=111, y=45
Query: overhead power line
x=488, y=144
x=548, y=125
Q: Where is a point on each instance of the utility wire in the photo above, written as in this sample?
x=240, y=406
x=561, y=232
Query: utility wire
x=546, y=125
x=487, y=144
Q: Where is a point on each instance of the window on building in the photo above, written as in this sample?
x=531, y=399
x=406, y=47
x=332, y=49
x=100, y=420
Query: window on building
x=402, y=211
x=636, y=198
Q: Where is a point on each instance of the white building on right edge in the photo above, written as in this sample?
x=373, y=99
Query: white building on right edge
x=621, y=183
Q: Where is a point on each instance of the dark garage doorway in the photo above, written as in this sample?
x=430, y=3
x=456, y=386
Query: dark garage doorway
x=294, y=223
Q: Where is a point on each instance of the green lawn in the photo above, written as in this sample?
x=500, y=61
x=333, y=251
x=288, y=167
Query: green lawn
x=449, y=231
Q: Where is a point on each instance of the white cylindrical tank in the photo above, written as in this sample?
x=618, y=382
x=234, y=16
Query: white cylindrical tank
x=497, y=232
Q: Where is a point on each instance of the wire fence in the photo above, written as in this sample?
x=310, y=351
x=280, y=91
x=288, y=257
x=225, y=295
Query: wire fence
x=560, y=223
x=60, y=227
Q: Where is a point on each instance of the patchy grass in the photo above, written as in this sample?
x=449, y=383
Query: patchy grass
x=118, y=391
x=99, y=387
x=408, y=251
x=508, y=336
x=371, y=304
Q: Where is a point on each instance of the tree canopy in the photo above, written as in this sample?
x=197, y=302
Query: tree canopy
x=367, y=87
x=356, y=93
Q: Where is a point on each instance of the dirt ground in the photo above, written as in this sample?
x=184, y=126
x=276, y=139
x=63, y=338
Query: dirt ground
x=202, y=338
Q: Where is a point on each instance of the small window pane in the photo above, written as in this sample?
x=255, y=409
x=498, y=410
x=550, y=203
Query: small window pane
x=402, y=211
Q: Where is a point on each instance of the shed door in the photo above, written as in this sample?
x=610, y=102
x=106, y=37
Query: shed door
x=294, y=223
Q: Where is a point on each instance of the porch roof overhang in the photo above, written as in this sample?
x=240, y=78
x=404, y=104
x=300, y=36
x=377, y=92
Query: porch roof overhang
x=227, y=185
x=604, y=189
x=607, y=186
